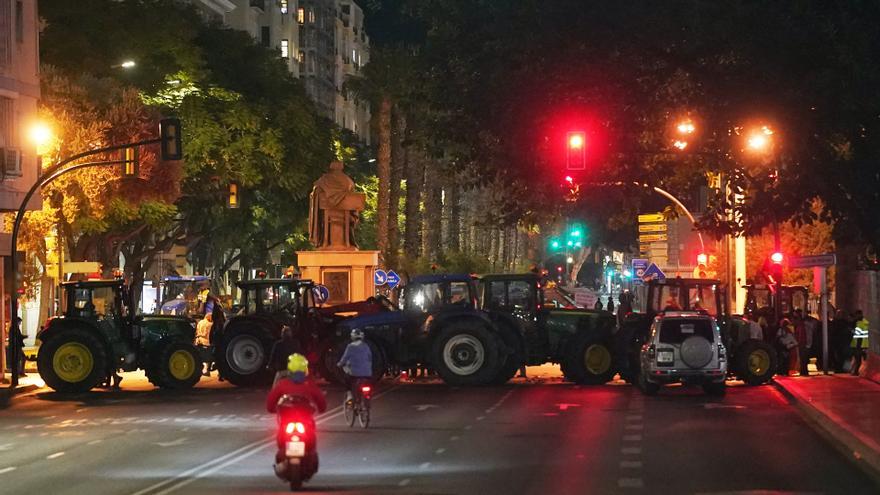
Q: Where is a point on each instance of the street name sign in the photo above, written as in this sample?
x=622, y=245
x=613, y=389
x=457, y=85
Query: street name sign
x=393, y=279
x=651, y=218
x=645, y=238
x=652, y=227
x=810, y=261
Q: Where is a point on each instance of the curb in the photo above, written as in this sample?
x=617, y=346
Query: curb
x=6, y=394
x=846, y=441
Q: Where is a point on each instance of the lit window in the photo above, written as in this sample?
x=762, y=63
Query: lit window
x=283, y=6
x=311, y=16
x=285, y=49
x=301, y=15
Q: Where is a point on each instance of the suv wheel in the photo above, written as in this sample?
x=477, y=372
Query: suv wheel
x=243, y=356
x=73, y=360
x=590, y=361
x=647, y=387
x=465, y=353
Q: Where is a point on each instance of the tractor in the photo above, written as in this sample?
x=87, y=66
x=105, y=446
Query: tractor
x=98, y=334
x=751, y=360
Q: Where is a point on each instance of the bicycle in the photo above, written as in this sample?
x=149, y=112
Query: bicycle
x=359, y=406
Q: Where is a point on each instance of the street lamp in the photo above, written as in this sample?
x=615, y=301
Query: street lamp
x=759, y=140
x=128, y=64
x=40, y=134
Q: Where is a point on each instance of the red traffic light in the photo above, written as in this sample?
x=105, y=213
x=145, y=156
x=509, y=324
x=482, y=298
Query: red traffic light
x=559, y=269
x=575, y=150
x=777, y=258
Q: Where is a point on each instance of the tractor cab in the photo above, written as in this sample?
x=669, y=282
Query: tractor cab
x=686, y=294
x=430, y=293
x=762, y=300
x=96, y=300
x=179, y=294
x=271, y=296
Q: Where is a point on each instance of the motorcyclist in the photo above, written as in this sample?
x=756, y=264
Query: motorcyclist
x=296, y=385
x=357, y=362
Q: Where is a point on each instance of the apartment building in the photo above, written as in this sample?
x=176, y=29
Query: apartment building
x=322, y=41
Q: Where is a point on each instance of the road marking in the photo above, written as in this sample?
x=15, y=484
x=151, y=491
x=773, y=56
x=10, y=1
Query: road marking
x=174, y=443
x=631, y=450
x=565, y=406
x=630, y=483
x=192, y=411
x=440, y=451
x=424, y=465
x=50, y=417
x=630, y=464
x=95, y=442
x=468, y=427
x=81, y=410
x=453, y=438
x=480, y=418
x=216, y=403
x=6, y=446
x=403, y=482
x=634, y=417
x=635, y=427
x=425, y=407
x=7, y=469
x=632, y=438
x=500, y=401
x=211, y=466
x=56, y=455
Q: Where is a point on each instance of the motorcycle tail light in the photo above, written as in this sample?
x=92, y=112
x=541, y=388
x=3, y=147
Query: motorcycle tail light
x=292, y=428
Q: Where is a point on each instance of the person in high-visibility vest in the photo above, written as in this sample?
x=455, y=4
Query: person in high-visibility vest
x=859, y=341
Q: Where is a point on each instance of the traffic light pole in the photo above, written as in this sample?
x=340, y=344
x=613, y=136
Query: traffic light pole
x=50, y=175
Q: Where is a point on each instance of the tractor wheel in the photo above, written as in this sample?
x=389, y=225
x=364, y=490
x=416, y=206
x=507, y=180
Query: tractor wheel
x=243, y=356
x=589, y=361
x=511, y=361
x=755, y=362
x=329, y=353
x=465, y=353
x=175, y=365
x=73, y=360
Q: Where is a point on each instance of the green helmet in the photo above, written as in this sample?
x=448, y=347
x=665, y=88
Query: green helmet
x=297, y=363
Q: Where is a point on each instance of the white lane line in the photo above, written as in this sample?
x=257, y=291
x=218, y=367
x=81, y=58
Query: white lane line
x=216, y=403
x=404, y=482
x=6, y=446
x=631, y=450
x=7, y=469
x=192, y=411
x=209, y=467
x=56, y=455
x=95, y=442
x=630, y=483
x=500, y=401
x=453, y=438
x=440, y=451
x=632, y=438
x=468, y=427
x=630, y=464
x=480, y=418
x=424, y=465
x=81, y=410
x=634, y=427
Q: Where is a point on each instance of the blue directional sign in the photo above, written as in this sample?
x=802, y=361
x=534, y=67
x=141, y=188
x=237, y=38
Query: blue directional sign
x=393, y=279
x=380, y=278
x=653, y=273
x=639, y=266
x=321, y=294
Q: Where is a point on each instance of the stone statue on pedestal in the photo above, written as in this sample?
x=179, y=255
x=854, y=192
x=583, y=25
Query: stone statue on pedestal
x=334, y=211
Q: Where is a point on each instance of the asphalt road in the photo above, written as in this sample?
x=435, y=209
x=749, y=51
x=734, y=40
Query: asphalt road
x=536, y=436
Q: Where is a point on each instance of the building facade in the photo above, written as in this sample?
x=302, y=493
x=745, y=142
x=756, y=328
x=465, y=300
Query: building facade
x=322, y=42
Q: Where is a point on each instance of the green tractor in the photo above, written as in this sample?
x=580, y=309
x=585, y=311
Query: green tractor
x=98, y=334
x=751, y=360
x=580, y=340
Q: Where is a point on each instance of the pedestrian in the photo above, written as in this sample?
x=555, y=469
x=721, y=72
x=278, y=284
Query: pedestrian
x=203, y=339
x=624, y=307
x=800, y=334
x=813, y=329
x=788, y=347
x=610, y=305
x=841, y=333
x=859, y=340
x=15, y=362
x=598, y=304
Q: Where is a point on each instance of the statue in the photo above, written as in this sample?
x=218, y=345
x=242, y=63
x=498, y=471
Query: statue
x=334, y=210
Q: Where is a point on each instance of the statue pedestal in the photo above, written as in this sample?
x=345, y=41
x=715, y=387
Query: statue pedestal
x=348, y=275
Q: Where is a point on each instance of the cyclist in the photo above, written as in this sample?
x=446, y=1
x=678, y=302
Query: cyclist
x=357, y=362
x=296, y=385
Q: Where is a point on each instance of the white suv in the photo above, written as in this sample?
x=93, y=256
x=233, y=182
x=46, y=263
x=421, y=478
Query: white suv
x=683, y=346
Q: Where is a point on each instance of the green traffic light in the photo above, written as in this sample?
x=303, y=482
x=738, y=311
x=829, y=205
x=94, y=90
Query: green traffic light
x=570, y=243
x=576, y=233
x=554, y=244
x=577, y=244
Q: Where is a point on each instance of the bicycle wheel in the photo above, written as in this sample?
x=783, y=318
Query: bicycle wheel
x=349, y=412
x=364, y=413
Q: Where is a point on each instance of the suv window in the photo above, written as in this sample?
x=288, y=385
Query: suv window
x=676, y=330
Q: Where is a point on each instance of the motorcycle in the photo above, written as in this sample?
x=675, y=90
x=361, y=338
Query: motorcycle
x=296, y=459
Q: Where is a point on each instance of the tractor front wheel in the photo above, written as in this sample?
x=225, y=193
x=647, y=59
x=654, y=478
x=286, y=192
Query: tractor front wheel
x=175, y=365
x=73, y=360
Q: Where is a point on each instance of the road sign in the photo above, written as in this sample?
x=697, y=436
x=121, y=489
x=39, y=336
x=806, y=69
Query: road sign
x=829, y=259
x=653, y=273
x=652, y=227
x=321, y=293
x=651, y=218
x=638, y=268
x=392, y=279
x=380, y=277
x=644, y=238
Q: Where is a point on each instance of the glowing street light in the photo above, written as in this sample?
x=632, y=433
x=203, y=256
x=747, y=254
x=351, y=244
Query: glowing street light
x=686, y=127
x=759, y=139
x=128, y=64
x=681, y=145
x=40, y=134
x=569, y=259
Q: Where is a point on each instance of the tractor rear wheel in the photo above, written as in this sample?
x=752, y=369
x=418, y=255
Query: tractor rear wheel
x=243, y=356
x=465, y=353
x=73, y=360
x=755, y=362
x=175, y=365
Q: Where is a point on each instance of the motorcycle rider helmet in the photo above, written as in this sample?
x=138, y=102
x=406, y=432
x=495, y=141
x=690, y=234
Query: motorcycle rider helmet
x=297, y=363
x=357, y=334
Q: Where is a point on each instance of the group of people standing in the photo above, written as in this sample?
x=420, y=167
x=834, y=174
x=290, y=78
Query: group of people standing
x=799, y=338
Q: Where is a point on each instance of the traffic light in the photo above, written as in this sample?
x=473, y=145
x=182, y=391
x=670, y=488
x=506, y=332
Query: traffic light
x=130, y=162
x=702, y=262
x=554, y=244
x=777, y=258
x=170, y=147
x=576, y=155
x=233, y=200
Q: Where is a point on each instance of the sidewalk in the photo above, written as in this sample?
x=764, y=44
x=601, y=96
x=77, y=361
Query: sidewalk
x=845, y=410
x=26, y=384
